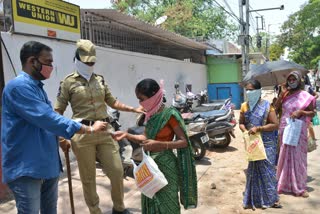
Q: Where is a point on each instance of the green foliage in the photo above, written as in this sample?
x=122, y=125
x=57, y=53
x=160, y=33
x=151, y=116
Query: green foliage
x=275, y=51
x=199, y=19
x=301, y=34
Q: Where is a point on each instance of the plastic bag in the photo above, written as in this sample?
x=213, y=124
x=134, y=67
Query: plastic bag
x=149, y=179
x=315, y=120
x=254, y=147
x=292, y=131
x=311, y=145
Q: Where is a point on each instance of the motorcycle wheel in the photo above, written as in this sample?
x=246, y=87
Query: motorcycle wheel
x=199, y=149
x=222, y=144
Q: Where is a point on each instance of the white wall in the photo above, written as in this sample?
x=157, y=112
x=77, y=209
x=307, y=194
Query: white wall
x=122, y=70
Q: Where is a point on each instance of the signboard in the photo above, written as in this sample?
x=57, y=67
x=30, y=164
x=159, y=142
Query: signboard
x=49, y=18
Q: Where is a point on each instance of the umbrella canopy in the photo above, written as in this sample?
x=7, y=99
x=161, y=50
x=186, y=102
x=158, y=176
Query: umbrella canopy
x=273, y=72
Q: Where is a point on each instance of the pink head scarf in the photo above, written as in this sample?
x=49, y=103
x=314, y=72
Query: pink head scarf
x=153, y=104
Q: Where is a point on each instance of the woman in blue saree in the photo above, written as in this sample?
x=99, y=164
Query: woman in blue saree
x=258, y=115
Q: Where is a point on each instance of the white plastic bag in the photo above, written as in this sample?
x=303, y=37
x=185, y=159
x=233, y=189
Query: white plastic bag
x=292, y=131
x=149, y=179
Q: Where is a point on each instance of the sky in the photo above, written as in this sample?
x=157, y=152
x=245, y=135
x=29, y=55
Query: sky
x=272, y=17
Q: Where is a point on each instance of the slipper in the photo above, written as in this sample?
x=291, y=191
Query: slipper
x=277, y=205
x=305, y=194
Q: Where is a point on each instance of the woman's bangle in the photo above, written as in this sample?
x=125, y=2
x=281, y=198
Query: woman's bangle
x=167, y=145
x=62, y=140
x=91, y=130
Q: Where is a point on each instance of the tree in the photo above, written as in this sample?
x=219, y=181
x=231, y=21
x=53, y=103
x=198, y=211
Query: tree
x=301, y=34
x=197, y=19
x=275, y=51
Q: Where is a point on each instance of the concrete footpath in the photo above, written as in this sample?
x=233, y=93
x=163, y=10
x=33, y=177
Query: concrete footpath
x=223, y=167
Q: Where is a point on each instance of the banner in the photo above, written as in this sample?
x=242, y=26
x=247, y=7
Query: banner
x=49, y=18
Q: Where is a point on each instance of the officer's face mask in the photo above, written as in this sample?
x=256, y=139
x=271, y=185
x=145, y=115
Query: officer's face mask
x=85, y=70
x=43, y=71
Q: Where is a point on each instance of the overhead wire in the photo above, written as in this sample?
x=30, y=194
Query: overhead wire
x=230, y=13
x=227, y=4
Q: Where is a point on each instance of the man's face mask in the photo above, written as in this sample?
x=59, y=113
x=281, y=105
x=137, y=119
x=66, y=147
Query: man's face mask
x=43, y=71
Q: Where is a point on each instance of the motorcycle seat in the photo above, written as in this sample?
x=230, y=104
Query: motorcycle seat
x=189, y=117
x=206, y=107
x=213, y=114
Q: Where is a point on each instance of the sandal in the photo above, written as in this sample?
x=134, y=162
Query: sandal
x=277, y=205
x=305, y=194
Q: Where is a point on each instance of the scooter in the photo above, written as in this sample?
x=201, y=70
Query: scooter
x=215, y=125
x=219, y=124
x=125, y=146
x=198, y=137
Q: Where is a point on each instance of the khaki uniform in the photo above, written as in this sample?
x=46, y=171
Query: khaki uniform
x=88, y=101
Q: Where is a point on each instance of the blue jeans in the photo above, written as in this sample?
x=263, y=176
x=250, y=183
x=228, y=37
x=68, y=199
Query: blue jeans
x=33, y=195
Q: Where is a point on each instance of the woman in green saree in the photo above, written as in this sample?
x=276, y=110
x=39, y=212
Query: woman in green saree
x=165, y=131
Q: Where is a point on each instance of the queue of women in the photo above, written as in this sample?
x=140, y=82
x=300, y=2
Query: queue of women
x=285, y=168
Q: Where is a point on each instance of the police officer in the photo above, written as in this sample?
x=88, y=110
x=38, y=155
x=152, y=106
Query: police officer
x=88, y=95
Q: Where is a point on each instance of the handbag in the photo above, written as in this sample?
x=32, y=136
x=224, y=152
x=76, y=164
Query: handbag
x=292, y=131
x=311, y=145
x=254, y=147
x=315, y=120
x=149, y=179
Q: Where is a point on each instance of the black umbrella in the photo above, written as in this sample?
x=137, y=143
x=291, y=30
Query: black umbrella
x=273, y=72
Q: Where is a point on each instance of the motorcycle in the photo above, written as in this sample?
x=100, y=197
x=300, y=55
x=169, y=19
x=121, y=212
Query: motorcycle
x=126, y=149
x=198, y=138
x=219, y=124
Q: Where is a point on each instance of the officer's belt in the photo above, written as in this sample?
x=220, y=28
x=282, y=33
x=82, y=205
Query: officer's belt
x=91, y=122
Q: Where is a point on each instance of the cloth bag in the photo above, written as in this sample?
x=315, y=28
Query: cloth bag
x=149, y=179
x=254, y=147
x=311, y=145
x=292, y=131
x=315, y=120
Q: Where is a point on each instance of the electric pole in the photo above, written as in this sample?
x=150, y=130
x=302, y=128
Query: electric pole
x=242, y=37
x=247, y=36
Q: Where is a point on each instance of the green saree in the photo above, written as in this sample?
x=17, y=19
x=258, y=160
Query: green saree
x=179, y=171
